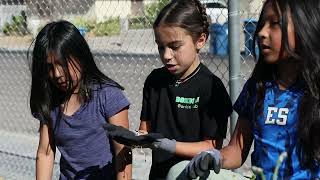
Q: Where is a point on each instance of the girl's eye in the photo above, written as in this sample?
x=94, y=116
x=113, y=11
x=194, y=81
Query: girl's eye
x=160, y=48
x=175, y=47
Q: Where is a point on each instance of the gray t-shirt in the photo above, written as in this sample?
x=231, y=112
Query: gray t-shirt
x=82, y=141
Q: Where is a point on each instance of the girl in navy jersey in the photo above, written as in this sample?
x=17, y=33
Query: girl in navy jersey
x=279, y=106
x=73, y=100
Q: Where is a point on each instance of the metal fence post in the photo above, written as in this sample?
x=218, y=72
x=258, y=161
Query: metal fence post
x=234, y=55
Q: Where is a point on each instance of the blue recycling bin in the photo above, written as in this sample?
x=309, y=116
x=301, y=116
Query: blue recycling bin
x=218, y=39
x=249, y=30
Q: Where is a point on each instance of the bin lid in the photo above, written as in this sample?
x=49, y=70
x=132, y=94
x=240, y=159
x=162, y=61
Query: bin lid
x=250, y=20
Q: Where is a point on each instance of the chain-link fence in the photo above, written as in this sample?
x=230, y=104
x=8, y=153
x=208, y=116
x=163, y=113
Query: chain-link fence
x=121, y=38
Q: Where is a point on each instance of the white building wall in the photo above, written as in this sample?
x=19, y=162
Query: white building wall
x=111, y=9
x=250, y=8
x=148, y=1
x=105, y=9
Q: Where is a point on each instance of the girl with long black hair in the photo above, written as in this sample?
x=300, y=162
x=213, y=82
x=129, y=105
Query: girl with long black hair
x=73, y=100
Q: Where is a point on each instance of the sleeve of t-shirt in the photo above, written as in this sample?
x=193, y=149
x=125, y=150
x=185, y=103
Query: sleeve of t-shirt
x=112, y=101
x=215, y=122
x=244, y=105
x=146, y=100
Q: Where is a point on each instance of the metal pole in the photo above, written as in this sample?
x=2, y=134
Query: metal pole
x=234, y=55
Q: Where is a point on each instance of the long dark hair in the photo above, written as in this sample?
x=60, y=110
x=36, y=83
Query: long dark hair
x=187, y=14
x=305, y=16
x=62, y=39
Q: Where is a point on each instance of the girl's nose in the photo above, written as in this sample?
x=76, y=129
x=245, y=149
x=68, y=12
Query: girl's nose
x=57, y=72
x=263, y=33
x=168, y=54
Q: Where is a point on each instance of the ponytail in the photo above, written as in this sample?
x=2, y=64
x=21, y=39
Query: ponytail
x=204, y=16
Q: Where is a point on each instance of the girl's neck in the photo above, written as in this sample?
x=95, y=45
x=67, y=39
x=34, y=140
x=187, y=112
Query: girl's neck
x=286, y=73
x=190, y=70
x=72, y=105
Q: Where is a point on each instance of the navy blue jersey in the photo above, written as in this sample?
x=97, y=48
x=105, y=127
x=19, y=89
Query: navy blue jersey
x=274, y=127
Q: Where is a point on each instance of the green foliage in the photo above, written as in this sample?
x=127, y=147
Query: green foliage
x=150, y=14
x=107, y=28
x=152, y=10
x=259, y=171
x=139, y=23
x=253, y=177
x=81, y=22
x=17, y=26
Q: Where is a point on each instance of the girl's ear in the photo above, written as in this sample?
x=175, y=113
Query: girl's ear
x=201, y=41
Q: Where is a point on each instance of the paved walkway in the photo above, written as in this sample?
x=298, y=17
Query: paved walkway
x=132, y=41
x=129, y=42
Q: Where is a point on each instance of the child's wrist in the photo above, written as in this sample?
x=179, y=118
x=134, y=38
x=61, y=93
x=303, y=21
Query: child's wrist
x=166, y=144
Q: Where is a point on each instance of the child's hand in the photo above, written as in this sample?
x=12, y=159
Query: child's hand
x=142, y=132
x=201, y=164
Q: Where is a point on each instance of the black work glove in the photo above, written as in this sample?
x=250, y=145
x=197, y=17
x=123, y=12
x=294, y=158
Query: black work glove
x=132, y=139
x=201, y=164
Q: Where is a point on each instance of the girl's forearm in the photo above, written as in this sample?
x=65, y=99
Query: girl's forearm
x=45, y=154
x=123, y=159
x=126, y=174
x=44, y=166
x=123, y=162
x=234, y=155
x=190, y=149
x=231, y=157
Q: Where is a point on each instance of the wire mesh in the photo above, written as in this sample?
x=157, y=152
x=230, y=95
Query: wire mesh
x=121, y=38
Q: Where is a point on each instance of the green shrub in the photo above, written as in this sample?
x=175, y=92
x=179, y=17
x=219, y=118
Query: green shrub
x=107, y=28
x=139, y=23
x=81, y=22
x=17, y=26
x=152, y=10
x=150, y=13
